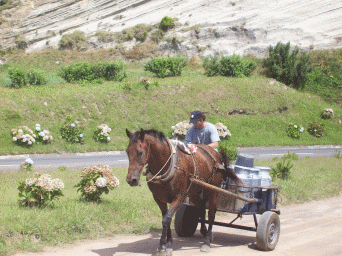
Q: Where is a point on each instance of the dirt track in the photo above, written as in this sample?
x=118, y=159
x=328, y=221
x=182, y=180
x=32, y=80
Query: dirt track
x=311, y=229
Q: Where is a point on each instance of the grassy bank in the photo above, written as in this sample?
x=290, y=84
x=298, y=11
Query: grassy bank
x=249, y=107
x=126, y=209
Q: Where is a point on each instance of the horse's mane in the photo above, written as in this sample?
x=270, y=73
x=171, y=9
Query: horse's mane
x=154, y=133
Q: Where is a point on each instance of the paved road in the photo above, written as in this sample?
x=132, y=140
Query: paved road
x=119, y=158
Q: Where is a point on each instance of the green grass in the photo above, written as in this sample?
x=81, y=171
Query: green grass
x=127, y=210
x=310, y=179
x=123, y=210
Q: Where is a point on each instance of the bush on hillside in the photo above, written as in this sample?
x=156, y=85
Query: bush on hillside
x=167, y=23
x=105, y=36
x=166, y=66
x=288, y=67
x=86, y=72
x=234, y=66
x=20, y=78
x=20, y=41
x=157, y=36
x=141, y=51
x=75, y=40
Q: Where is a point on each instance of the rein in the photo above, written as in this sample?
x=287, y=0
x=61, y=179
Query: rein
x=160, y=169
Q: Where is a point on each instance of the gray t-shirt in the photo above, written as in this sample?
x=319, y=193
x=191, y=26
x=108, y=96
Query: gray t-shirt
x=205, y=136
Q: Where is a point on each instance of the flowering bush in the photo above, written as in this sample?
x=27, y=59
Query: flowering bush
x=27, y=165
x=101, y=133
x=223, y=132
x=71, y=131
x=95, y=181
x=43, y=136
x=294, y=130
x=23, y=136
x=328, y=113
x=180, y=129
x=316, y=129
x=38, y=190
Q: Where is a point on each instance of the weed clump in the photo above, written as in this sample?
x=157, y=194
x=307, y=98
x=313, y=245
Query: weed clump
x=167, y=23
x=75, y=40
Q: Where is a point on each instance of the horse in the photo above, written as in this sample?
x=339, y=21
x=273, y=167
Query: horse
x=171, y=170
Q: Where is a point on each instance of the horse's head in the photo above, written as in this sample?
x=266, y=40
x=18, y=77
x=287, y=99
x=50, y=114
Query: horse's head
x=137, y=152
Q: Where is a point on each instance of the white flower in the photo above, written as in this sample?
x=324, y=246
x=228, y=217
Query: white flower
x=37, y=128
x=41, y=134
x=38, y=125
x=101, y=182
x=108, y=138
x=301, y=129
x=29, y=161
x=14, y=138
x=81, y=135
x=295, y=126
x=72, y=125
x=315, y=130
x=30, y=142
x=24, y=139
x=20, y=131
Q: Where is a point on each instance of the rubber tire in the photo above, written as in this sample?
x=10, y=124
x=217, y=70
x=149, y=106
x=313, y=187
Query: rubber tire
x=268, y=231
x=186, y=220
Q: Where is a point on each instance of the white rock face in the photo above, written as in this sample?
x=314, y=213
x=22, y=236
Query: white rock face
x=240, y=27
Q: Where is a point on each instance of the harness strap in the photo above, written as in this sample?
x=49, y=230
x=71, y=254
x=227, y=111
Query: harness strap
x=217, y=165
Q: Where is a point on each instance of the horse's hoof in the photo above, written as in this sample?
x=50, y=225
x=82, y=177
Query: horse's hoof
x=167, y=252
x=205, y=248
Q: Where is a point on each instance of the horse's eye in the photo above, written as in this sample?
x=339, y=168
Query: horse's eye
x=139, y=153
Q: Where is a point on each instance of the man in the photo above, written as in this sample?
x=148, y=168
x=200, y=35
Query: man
x=201, y=132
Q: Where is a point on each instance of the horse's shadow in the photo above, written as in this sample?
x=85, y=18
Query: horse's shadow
x=149, y=245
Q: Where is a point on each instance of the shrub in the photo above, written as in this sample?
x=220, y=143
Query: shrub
x=18, y=77
x=23, y=136
x=157, y=36
x=316, y=129
x=102, y=133
x=282, y=169
x=75, y=40
x=230, y=151
x=141, y=51
x=180, y=129
x=166, y=66
x=20, y=41
x=38, y=190
x=235, y=66
x=294, y=130
x=35, y=77
x=292, y=156
x=105, y=36
x=71, y=131
x=43, y=136
x=86, y=72
x=287, y=67
x=167, y=23
x=223, y=131
x=28, y=165
x=95, y=181
x=211, y=65
x=327, y=113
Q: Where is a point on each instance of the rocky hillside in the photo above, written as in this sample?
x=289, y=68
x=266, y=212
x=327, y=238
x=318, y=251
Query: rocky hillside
x=241, y=26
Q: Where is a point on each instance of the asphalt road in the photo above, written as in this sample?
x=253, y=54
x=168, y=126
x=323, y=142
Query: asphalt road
x=119, y=158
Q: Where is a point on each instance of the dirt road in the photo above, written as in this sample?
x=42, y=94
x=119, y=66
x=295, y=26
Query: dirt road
x=311, y=229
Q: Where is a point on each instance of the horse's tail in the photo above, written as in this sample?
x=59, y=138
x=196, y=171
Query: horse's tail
x=228, y=171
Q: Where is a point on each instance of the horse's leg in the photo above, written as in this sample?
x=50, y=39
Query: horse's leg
x=166, y=230
x=202, y=220
x=211, y=217
x=165, y=245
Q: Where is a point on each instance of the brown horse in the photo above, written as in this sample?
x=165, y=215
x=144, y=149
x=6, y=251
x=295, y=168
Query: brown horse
x=153, y=148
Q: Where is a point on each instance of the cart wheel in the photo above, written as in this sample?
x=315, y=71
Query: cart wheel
x=268, y=231
x=186, y=220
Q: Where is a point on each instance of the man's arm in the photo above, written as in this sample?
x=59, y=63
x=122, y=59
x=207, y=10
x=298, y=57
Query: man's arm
x=214, y=144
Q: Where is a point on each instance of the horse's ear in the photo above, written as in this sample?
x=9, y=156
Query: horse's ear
x=129, y=134
x=141, y=134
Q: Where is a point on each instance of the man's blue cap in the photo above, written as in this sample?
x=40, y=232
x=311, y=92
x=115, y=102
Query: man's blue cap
x=195, y=116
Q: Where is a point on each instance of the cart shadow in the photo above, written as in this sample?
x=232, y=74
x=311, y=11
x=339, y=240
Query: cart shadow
x=149, y=245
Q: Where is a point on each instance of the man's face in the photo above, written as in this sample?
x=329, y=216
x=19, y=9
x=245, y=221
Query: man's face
x=199, y=124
